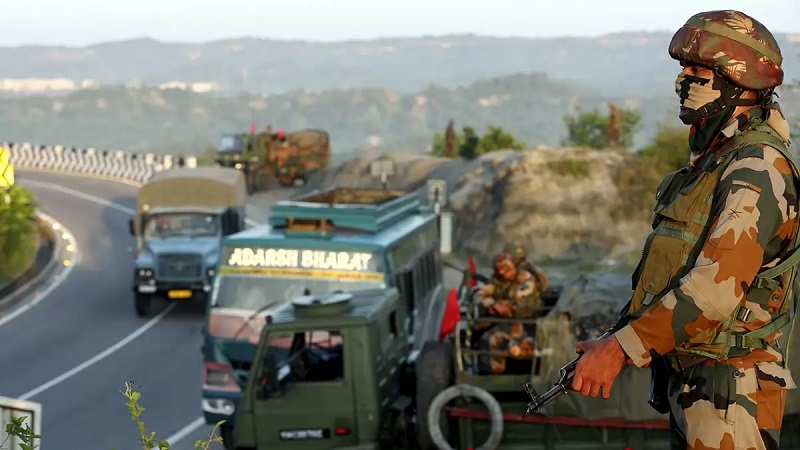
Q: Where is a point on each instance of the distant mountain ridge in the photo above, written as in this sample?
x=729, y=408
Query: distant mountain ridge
x=617, y=64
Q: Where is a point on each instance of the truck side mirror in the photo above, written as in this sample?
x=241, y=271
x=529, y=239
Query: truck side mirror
x=269, y=382
x=131, y=227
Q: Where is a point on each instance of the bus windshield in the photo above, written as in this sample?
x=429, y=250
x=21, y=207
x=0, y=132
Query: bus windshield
x=252, y=292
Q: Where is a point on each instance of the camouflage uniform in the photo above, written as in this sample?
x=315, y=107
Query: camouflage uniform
x=512, y=293
x=519, y=255
x=723, y=393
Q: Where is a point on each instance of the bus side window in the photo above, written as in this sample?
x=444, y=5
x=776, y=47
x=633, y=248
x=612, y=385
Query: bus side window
x=405, y=284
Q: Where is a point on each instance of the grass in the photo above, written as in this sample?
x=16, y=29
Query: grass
x=20, y=430
x=570, y=167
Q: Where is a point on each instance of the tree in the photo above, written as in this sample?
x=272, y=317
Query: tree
x=470, y=145
x=590, y=129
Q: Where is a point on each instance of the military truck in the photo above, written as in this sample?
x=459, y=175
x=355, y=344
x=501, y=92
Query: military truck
x=289, y=158
x=327, y=374
x=182, y=215
x=365, y=389
x=341, y=239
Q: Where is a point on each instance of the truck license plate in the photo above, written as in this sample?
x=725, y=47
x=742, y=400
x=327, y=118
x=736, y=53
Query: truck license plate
x=305, y=434
x=179, y=294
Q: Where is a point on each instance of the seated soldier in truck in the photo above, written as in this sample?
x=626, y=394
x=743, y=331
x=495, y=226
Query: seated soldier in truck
x=511, y=293
x=519, y=254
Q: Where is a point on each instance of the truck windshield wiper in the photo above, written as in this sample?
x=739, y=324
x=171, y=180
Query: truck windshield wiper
x=306, y=291
x=247, y=322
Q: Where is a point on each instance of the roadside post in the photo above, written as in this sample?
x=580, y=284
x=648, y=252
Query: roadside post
x=437, y=195
x=383, y=167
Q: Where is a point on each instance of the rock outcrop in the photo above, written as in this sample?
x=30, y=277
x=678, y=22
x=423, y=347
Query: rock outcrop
x=564, y=203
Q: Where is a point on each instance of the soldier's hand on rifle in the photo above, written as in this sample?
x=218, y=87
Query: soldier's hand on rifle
x=599, y=366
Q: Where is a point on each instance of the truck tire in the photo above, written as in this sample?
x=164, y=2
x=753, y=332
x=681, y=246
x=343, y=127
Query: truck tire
x=142, y=303
x=465, y=390
x=228, y=441
x=434, y=374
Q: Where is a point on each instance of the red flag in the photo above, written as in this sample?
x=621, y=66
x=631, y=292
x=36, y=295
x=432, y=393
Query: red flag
x=252, y=128
x=452, y=315
x=472, y=269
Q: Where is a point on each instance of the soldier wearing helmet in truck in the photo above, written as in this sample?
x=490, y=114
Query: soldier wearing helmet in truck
x=512, y=293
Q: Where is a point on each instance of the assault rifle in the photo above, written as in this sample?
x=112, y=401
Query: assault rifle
x=567, y=374
x=564, y=383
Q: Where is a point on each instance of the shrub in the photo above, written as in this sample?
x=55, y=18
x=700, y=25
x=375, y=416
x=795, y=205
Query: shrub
x=22, y=431
x=18, y=231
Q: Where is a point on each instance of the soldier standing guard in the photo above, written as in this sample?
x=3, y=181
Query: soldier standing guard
x=715, y=283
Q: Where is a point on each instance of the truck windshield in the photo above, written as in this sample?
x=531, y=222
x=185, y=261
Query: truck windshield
x=183, y=224
x=230, y=144
x=308, y=356
x=252, y=292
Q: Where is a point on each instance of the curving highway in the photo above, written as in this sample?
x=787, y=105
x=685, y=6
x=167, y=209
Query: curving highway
x=73, y=351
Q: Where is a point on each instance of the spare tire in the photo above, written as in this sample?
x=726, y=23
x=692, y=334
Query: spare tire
x=434, y=370
x=465, y=390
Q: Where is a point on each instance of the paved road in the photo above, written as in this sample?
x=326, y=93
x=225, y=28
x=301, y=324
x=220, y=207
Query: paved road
x=63, y=352
x=73, y=351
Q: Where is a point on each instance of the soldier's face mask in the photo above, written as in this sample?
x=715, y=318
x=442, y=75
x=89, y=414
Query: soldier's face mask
x=707, y=104
x=703, y=97
x=695, y=92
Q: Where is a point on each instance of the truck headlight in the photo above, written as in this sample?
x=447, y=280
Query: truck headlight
x=145, y=274
x=210, y=273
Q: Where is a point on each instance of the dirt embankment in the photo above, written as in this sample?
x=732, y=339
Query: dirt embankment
x=564, y=203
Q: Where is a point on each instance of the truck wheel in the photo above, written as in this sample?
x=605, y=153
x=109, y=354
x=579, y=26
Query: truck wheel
x=142, y=303
x=434, y=374
x=465, y=390
x=226, y=433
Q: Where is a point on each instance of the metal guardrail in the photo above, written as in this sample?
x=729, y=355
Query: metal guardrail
x=111, y=164
x=11, y=408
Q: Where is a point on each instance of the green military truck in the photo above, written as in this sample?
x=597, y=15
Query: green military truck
x=366, y=390
x=182, y=215
x=289, y=158
x=333, y=372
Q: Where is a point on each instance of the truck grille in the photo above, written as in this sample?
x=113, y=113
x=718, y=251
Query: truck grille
x=180, y=266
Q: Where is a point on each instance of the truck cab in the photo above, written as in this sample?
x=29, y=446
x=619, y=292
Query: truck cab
x=231, y=149
x=182, y=216
x=326, y=373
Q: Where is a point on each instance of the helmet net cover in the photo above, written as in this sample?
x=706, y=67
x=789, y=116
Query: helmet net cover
x=732, y=43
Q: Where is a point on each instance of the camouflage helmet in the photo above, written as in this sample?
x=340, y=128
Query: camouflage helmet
x=516, y=250
x=732, y=43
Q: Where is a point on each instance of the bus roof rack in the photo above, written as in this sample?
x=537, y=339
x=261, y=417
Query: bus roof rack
x=370, y=210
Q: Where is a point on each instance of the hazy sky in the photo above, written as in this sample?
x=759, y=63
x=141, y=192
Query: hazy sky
x=83, y=22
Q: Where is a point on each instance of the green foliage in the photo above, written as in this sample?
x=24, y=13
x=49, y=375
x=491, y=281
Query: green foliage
x=570, y=167
x=18, y=231
x=25, y=434
x=590, y=129
x=22, y=431
x=148, y=441
x=470, y=145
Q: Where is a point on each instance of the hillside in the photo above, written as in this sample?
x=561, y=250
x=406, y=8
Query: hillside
x=623, y=63
x=531, y=106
